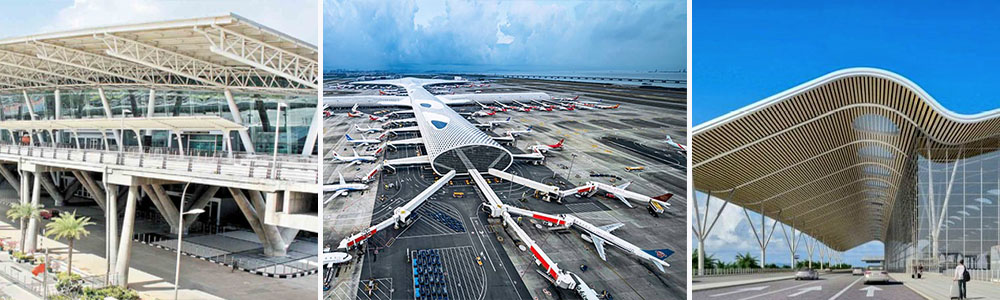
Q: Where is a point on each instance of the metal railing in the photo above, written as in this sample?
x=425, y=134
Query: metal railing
x=288, y=167
x=740, y=271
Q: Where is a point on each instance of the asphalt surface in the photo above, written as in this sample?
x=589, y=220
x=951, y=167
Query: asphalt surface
x=603, y=141
x=829, y=286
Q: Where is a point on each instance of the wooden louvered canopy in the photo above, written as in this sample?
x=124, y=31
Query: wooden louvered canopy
x=833, y=156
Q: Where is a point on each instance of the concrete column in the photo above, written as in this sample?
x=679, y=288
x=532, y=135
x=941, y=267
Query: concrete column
x=278, y=244
x=76, y=138
x=112, y=225
x=153, y=197
x=107, y=113
x=314, y=129
x=168, y=205
x=180, y=145
x=11, y=178
x=151, y=104
x=50, y=188
x=58, y=111
x=125, y=245
x=235, y=111
x=25, y=192
x=36, y=191
x=200, y=202
x=251, y=215
x=92, y=188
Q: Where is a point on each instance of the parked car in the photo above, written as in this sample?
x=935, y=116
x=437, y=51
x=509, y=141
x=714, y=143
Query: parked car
x=806, y=274
x=858, y=272
x=48, y=214
x=876, y=274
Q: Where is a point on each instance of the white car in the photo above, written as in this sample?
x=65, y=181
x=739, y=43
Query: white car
x=858, y=272
x=876, y=274
x=806, y=274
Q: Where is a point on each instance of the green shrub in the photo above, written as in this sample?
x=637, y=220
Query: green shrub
x=69, y=283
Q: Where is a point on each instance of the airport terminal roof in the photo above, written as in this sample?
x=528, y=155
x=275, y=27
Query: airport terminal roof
x=181, y=123
x=834, y=156
x=223, y=52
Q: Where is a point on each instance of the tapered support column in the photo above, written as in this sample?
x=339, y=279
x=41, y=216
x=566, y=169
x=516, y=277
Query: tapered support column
x=168, y=205
x=107, y=113
x=125, y=244
x=11, y=178
x=112, y=225
x=235, y=111
x=202, y=200
x=151, y=104
x=50, y=188
x=36, y=193
x=274, y=237
x=25, y=191
x=92, y=188
x=155, y=198
x=251, y=215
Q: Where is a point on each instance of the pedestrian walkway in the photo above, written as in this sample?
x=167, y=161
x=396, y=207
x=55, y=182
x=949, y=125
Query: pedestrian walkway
x=937, y=286
x=715, y=282
x=148, y=285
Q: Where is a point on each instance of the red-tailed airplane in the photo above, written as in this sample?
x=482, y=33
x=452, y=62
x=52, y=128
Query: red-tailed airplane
x=680, y=146
x=545, y=148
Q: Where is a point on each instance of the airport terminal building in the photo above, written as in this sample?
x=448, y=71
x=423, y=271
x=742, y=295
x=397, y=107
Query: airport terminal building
x=863, y=155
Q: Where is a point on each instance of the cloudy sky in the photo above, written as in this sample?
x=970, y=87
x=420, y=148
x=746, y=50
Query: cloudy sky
x=732, y=235
x=463, y=35
x=297, y=18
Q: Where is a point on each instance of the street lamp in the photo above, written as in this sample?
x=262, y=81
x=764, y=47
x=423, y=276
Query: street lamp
x=277, y=131
x=180, y=236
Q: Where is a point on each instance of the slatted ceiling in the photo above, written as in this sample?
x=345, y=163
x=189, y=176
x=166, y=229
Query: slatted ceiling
x=796, y=172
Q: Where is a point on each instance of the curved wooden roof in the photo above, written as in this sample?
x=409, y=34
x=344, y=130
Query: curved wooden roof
x=833, y=156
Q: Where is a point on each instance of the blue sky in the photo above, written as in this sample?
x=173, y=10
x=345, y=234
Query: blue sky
x=464, y=35
x=747, y=51
x=297, y=18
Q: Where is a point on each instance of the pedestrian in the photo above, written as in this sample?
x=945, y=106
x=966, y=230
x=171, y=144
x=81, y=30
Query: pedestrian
x=961, y=276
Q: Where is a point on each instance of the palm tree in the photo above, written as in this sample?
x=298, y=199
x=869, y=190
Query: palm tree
x=70, y=227
x=710, y=260
x=22, y=212
x=746, y=261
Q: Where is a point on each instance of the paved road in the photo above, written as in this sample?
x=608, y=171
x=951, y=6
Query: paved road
x=830, y=286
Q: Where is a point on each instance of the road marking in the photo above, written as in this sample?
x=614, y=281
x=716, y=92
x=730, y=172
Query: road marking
x=480, y=237
x=846, y=287
x=806, y=290
x=871, y=291
x=781, y=290
x=741, y=291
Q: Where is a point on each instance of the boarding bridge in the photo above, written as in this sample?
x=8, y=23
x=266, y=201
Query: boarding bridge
x=400, y=215
x=549, y=192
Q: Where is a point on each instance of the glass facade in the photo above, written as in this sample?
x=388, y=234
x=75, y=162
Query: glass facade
x=258, y=111
x=958, y=199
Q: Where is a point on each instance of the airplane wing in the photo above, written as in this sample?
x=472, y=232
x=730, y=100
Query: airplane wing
x=611, y=227
x=624, y=200
x=335, y=194
x=599, y=245
x=341, y=178
x=624, y=186
x=355, y=152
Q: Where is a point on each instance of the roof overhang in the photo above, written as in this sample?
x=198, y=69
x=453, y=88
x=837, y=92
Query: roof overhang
x=834, y=156
x=223, y=52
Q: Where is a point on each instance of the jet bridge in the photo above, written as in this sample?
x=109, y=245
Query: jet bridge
x=549, y=192
x=400, y=215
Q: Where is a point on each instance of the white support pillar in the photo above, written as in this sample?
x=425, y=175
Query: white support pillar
x=235, y=111
x=125, y=244
x=810, y=246
x=792, y=242
x=112, y=223
x=180, y=145
x=312, y=138
x=31, y=114
x=138, y=138
x=36, y=191
x=702, y=228
x=107, y=112
x=58, y=112
x=228, y=143
x=764, y=239
x=151, y=104
x=76, y=138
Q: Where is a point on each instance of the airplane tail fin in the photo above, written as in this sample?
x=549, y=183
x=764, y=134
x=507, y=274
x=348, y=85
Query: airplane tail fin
x=559, y=144
x=529, y=128
x=577, y=97
x=669, y=139
x=508, y=119
x=661, y=255
x=348, y=136
x=664, y=197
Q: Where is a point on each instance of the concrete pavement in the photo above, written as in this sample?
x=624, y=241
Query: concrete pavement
x=937, y=286
x=715, y=282
x=829, y=286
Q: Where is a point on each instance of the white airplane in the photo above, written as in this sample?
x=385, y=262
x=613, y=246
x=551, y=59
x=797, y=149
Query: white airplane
x=379, y=119
x=519, y=132
x=680, y=146
x=607, y=106
x=363, y=141
x=599, y=242
x=368, y=129
x=483, y=113
x=342, y=188
x=335, y=258
x=497, y=123
x=353, y=159
x=354, y=112
x=545, y=148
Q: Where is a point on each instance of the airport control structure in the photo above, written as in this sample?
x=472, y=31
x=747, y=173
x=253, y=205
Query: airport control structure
x=214, y=118
x=854, y=156
x=454, y=137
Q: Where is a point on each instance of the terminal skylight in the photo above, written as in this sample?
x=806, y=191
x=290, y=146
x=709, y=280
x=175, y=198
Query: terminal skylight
x=875, y=123
x=876, y=170
x=876, y=151
x=876, y=184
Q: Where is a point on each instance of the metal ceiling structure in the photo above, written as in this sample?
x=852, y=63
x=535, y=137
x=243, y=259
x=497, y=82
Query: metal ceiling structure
x=834, y=156
x=224, y=52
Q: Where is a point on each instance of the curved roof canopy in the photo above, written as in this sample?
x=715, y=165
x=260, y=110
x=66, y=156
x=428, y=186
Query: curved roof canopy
x=204, y=53
x=834, y=156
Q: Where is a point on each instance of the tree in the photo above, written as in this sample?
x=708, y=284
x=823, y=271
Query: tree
x=69, y=227
x=746, y=261
x=22, y=212
x=710, y=261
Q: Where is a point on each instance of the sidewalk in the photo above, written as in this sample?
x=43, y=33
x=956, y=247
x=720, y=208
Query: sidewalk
x=936, y=286
x=148, y=286
x=715, y=282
